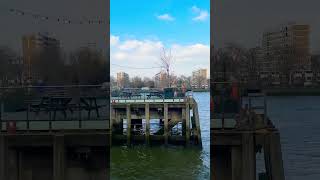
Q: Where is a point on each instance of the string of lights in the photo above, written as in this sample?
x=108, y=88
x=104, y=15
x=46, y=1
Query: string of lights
x=57, y=19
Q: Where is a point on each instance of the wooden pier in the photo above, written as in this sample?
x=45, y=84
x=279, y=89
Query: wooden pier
x=234, y=154
x=43, y=139
x=131, y=121
x=56, y=156
x=239, y=130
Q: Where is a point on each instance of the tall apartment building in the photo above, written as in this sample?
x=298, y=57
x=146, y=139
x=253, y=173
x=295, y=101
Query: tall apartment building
x=31, y=46
x=285, y=51
x=161, y=80
x=199, y=78
x=123, y=80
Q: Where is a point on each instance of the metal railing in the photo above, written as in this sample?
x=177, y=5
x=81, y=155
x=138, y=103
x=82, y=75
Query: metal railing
x=145, y=100
x=247, y=109
x=29, y=108
x=149, y=96
x=225, y=109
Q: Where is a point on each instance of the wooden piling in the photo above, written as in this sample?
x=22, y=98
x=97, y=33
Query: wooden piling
x=20, y=165
x=118, y=123
x=248, y=157
x=183, y=119
x=236, y=160
x=187, y=124
x=166, y=133
x=1, y=112
x=197, y=122
x=112, y=119
x=147, y=117
x=3, y=157
x=222, y=163
x=58, y=158
x=128, y=110
x=273, y=157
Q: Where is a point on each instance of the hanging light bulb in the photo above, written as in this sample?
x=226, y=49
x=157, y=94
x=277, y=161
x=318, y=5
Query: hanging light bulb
x=59, y=19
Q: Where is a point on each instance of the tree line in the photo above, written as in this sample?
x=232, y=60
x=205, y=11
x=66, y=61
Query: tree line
x=52, y=66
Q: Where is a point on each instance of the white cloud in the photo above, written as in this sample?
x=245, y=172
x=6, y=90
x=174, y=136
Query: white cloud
x=146, y=53
x=165, y=17
x=195, y=9
x=202, y=15
x=114, y=40
x=191, y=52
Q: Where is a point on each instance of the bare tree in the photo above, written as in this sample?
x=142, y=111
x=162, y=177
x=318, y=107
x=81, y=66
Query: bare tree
x=166, y=60
x=8, y=69
x=136, y=82
x=89, y=66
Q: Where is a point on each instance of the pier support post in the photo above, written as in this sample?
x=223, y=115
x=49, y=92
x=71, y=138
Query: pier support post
x=248, y=157
x=20, y=165
x=273, y=157
x=118, y=124
x=112, y=120
x=58, y=158
x=183, y=119
x=147, y=117
x=236, y=159
x=1, y=112
x=166, y=133
x=128, y=124
x=197, y=122
x=222, y=163
x=187, y=123
x=3, y=157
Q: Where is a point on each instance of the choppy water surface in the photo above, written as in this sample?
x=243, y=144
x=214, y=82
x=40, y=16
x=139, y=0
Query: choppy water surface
x=298, y=119
x=157, y=163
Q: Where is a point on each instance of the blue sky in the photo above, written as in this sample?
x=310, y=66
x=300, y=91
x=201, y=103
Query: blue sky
x=138, y=18
x=143, y=26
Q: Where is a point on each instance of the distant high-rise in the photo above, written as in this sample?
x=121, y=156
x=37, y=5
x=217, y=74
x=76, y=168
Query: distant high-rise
x=199, y=78
x=31, y=46
x=123, y=80
x=285, y=50
x=161, y=80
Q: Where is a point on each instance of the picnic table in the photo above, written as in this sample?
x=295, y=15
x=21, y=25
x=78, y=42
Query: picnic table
x=89, y=103
x=53, y=103
x=126, y=94
x=138, y=95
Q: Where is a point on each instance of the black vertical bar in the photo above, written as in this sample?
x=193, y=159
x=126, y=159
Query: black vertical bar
x=50, y=124
x=28, y=123
x=79, y=108
x=1, y=107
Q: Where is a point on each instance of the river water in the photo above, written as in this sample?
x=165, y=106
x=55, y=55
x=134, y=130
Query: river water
x=298, y=119
x=168, y=163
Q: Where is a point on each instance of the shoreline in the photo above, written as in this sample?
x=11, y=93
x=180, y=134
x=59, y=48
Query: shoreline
x=292, y=92
x=200, y=90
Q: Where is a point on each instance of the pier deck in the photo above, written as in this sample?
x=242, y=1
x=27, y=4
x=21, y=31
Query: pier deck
x=155, y=121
